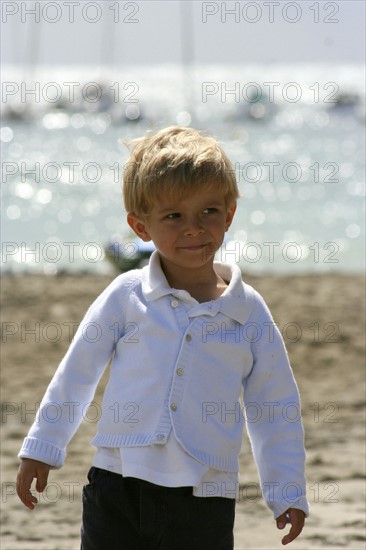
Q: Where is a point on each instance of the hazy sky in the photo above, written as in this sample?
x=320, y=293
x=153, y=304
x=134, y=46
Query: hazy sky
x=83, y=32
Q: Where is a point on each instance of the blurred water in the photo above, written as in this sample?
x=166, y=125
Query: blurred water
x=300, y=168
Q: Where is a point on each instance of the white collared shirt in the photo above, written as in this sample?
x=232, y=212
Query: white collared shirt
x=169, y=465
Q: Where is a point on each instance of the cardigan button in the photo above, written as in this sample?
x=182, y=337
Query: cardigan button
x=173, y=406
x=174, y=303
x=188, y=337
x=160, y=437
x=180, y=371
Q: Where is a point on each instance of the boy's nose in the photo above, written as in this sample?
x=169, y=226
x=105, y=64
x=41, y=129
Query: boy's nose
x=194, y=228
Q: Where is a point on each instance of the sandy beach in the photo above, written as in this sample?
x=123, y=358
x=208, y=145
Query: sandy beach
x=322, y=321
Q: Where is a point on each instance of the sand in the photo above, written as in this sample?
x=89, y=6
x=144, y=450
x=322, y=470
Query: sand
x=322, y=320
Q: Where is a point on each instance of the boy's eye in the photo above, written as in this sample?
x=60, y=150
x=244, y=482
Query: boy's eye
x=173, y=216
x=209, y=210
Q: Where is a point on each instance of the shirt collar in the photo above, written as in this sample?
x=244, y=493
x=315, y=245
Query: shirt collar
x=236, y=301
x=154, y=282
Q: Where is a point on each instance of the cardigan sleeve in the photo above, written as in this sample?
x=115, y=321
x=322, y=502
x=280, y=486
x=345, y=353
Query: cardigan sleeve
x=273, y=417
x=73, y=386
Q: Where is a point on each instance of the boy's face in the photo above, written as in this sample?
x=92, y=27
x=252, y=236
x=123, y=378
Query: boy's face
x=188, y=231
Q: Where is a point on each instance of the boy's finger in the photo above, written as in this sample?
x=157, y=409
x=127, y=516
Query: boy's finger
x=294, y=532
x=281, y=521
x=42, y=477
x=29, y=500
x=297, y=519
x=23, y=491
x=23, y=485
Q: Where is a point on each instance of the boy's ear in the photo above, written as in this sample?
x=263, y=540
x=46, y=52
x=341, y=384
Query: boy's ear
x=139, y=227
x=230, y=215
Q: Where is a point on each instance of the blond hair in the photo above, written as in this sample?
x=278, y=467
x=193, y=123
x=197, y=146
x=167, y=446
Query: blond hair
x=175, y=160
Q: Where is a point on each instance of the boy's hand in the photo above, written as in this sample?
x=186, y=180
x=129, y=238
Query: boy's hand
x=30, y=469
x=296, y=518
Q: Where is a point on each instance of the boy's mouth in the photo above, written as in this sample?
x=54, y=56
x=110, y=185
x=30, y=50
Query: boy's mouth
x=193, y=247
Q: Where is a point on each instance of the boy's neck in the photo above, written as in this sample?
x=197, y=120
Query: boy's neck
x=203, y=284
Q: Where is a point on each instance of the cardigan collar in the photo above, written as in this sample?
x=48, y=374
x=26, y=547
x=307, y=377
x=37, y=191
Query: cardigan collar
x=236, y=301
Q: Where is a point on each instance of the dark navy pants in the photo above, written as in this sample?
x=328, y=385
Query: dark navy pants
x=131, y=514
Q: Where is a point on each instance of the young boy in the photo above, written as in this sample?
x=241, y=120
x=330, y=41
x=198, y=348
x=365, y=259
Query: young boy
x=185, y=335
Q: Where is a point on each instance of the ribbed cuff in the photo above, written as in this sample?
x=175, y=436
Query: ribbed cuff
x=44, y=451
x=281, y=507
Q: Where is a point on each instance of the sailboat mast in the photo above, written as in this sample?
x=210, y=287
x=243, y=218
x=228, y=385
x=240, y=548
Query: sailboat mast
x=187, y=53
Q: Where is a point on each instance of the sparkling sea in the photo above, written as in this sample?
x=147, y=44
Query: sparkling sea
x=299, y=162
